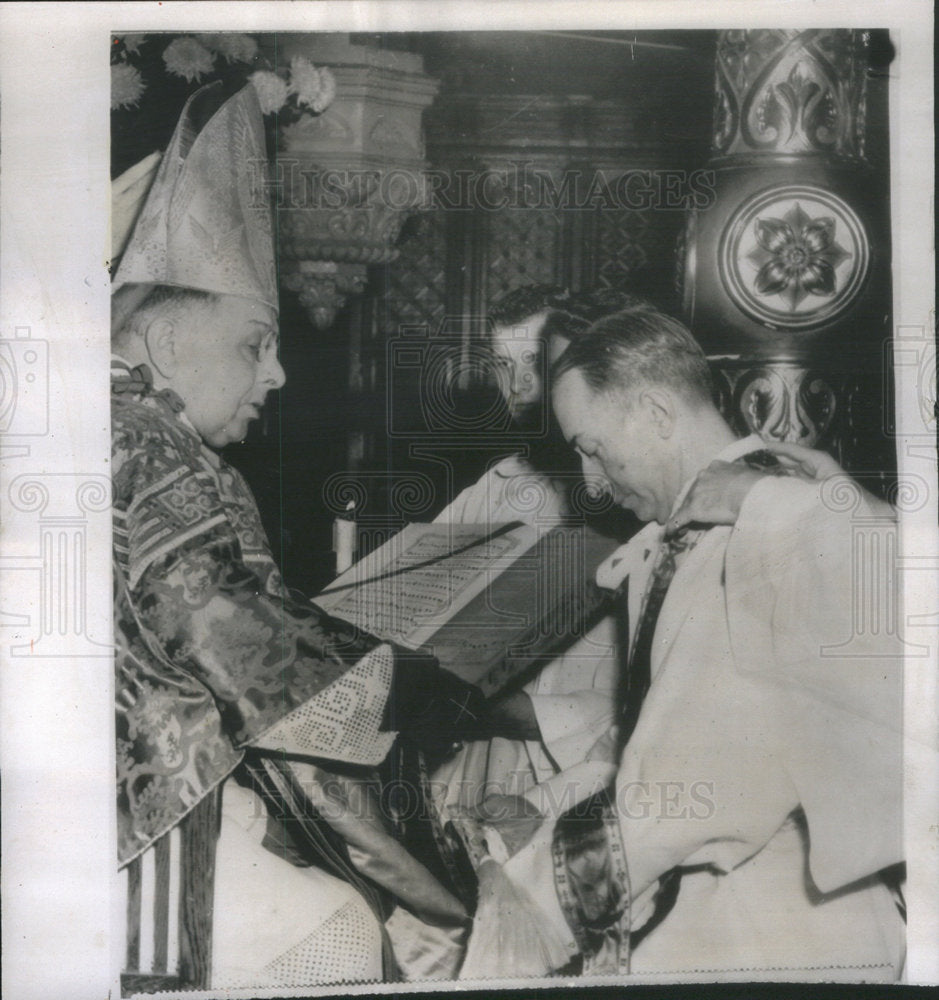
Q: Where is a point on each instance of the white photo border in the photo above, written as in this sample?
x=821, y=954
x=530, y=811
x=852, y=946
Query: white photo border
x=57, y=747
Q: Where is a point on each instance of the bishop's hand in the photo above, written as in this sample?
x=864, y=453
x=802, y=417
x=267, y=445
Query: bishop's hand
x=715, y=496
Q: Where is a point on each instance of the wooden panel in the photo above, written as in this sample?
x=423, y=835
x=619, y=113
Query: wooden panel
x=197, y=860
x=142, y=982
x=620, y=249
x=161, y=904
x=132, y=953
x=414, y=288
x=523, y=249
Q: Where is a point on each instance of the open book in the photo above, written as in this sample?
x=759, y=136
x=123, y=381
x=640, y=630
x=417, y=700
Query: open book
x=489, y=601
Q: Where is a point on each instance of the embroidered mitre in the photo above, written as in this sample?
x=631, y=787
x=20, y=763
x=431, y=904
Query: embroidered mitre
x=206, y=223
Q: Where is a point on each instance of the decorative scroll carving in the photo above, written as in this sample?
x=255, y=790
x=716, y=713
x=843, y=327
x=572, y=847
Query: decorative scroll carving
x=348, y=226
x=323, y=286
x=836, y=411
x=789, y=91
x=780, y=400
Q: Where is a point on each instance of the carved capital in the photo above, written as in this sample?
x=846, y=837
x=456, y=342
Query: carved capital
x=349, y=178
x=323, y=286
x=352, y=214
x=790, y=91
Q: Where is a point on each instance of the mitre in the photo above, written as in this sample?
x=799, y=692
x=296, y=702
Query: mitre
x=206, y=223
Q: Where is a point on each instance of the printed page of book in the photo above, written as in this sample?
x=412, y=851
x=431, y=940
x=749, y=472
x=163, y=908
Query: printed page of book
x=421, y=577
x=539, y=606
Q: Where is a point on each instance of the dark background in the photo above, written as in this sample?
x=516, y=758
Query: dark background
x=662, y=84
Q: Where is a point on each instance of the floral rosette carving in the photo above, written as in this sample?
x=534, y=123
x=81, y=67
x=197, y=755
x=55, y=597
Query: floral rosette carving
x=794, y=258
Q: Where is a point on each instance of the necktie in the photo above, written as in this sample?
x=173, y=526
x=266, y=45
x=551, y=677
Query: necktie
x=639, y=665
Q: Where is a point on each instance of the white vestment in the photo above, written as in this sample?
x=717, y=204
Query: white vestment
x=766, y=761
x=277, y=925
x=572, y=696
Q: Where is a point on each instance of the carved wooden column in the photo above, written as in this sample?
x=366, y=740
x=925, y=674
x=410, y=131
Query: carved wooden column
x=786, y=271
x=350, y=177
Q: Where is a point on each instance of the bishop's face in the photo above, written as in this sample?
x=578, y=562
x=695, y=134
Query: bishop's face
x=226, y=364
x=620, y=444
x=518, y=353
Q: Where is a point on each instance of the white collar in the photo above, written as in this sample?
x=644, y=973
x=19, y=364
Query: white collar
x=120, y=365
x=730, y=453
x=614, y=568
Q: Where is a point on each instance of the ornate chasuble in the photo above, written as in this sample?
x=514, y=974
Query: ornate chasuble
x=211, y=651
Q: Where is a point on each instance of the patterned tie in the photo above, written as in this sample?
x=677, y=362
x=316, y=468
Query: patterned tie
x=638, y=674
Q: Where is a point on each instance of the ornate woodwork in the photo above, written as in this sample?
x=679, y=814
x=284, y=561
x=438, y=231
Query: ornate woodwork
x=347, y=179
x=785, y=274
x=790, y=91
x=776, y=244
x=561, y=190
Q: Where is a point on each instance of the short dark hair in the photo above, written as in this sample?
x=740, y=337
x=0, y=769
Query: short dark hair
x=569, y=314
x=162, y=298
x=638, y=345
x=529, y=300
x=534, y=300
x=597, y=303
x=584, y=309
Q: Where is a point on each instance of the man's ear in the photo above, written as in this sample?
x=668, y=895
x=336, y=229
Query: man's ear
x=660, y=409
x=160, y=338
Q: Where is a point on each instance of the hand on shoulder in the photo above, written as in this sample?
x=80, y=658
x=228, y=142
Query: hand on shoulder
x=715, y=496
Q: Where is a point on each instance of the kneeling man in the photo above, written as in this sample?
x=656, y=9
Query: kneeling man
x=750, y=826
